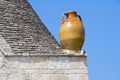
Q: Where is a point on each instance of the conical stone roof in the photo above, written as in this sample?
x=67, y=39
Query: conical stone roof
x=22, y=32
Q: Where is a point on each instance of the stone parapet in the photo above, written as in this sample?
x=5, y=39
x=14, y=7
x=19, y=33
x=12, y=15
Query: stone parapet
x=44, y=67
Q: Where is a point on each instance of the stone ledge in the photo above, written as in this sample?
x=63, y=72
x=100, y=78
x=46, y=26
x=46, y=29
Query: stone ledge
x=64, y=52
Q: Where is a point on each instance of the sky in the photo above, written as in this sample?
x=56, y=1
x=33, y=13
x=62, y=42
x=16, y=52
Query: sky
x=101, y=19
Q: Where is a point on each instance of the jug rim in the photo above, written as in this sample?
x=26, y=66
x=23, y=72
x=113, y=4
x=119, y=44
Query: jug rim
x=71, y=11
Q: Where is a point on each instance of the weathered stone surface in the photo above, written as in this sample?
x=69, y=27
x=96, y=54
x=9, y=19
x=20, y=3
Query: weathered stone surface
x=44, y=68
x=21, y=30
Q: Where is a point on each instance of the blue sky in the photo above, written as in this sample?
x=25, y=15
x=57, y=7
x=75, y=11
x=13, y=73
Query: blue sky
x=101, y=19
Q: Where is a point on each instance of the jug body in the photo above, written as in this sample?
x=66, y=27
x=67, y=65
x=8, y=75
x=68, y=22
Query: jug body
x=72, y=34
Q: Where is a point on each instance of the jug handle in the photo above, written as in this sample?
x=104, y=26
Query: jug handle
x=79, y=17
x=62, y=18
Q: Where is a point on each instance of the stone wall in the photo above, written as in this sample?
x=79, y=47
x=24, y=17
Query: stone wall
x=43, y=68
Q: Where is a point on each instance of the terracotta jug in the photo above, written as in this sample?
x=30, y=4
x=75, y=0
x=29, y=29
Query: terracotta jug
x=72, y=33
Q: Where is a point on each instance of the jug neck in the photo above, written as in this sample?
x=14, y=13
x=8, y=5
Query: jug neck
x=71, y=14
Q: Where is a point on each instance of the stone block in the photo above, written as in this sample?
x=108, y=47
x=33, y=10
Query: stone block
x=63, y=59
x=80, y=71
x=78, y=65
x=73, y=77
x=50, y=65
x=3, y=78
x=58, y=65
x=61, y=77
x=65, y=66
x=52, y=59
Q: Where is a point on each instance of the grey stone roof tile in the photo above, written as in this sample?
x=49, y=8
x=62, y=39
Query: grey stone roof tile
x=23, y=31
